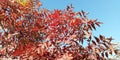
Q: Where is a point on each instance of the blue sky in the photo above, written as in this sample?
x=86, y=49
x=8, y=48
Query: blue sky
x=106, y=11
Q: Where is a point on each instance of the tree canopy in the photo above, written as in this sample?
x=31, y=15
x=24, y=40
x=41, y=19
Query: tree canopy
x=28, y=32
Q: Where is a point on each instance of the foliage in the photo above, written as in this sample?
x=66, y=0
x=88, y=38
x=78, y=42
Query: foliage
x=30, y=33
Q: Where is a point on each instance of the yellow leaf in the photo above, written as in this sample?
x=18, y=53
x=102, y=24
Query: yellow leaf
x=23, y=2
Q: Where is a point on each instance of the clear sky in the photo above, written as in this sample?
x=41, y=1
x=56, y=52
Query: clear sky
x=106, y=11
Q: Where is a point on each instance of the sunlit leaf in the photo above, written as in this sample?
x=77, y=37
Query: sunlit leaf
x=23, y=2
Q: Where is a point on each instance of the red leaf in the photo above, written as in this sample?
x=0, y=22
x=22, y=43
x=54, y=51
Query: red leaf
x=98, y=23
x=18, y=51
x=54, y=24
x=80, y=14
x=105, y=45
x=106, y=54
x=19, y=23
x=102, y=54
x=93, y=26
x=93, y=42
x=83, y=13
x=89, y=47
x=35, y=29
x=110, y=38
x=102, y=37
x=97, y=39
x=110, y=52
x=90, y=27
x=116, y=51
x=56, y=14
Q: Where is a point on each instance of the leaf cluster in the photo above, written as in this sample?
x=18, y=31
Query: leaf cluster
x=30, y=33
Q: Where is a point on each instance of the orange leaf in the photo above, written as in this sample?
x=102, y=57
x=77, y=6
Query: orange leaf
x=35, y=29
